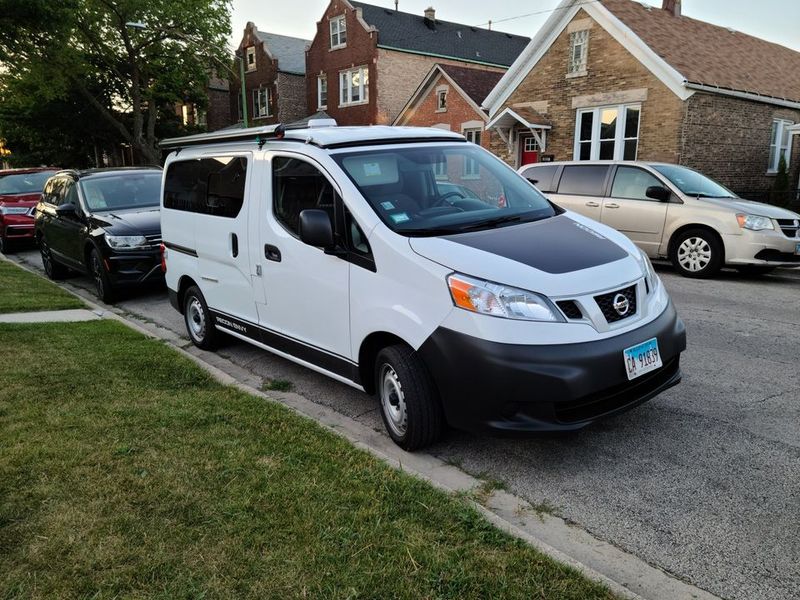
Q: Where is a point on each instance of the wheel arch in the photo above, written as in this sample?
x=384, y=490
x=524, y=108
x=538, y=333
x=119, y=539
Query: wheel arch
x=368, y=353
x=689, y=226
x=184, y=283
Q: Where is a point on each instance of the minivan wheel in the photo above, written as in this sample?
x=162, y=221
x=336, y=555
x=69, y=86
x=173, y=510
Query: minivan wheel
x=102, y=282
x=697, y=253
x=53, y=269
x=409, y=404
x=198, y=320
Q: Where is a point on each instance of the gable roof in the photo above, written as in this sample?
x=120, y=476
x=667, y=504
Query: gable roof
x=684, y=53
x=413, y=33
x=289, y=51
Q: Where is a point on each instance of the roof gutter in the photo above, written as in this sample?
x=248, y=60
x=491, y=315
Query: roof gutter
x=458, y=58
x=715, y=89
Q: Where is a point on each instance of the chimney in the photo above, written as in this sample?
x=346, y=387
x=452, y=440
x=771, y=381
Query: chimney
x=672, y=6
x=430, y=14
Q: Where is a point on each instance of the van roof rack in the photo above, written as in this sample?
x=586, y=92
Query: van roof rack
x=259, y=135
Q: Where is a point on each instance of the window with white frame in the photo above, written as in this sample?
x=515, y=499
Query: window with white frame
x=471, y=167
x=530, y=144
x=440, y=168
x=607, y=133
x=578, y=51
x=780, y=144
x=261, y=102
x=441, y=101
x=354, y=86
x=322, y=92
x=338, y=32
x=250, y=61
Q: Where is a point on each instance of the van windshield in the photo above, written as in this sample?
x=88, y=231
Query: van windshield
x=421, y=191
x=692, y=183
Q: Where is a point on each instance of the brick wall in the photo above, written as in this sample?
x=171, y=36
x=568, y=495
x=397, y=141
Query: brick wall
x=610, y=69
x=219, y=109
x=728, y=139
x=291, y=97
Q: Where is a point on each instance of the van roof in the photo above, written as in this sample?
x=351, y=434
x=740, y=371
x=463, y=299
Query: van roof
x=327, y=136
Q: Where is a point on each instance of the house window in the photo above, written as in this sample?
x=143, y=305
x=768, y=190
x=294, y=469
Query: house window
x=440, y=168
x=780, y=144
x=338, y=32
x=354, y=86
x=471, y=167
x=607, y=133
x=251, y=59
x=261, y=103
x=578, y=51
x=441, y=101
x=530, y=145
x=322, y=92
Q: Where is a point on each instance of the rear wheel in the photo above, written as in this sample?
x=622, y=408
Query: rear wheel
x=697, y=253
x=409, y=404
x=53, y=269
x=198, y=320
x=102, y=283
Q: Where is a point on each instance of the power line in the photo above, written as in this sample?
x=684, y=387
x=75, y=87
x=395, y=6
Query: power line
x=538, y=12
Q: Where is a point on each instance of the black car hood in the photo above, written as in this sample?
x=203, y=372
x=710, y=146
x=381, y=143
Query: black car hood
x=129, y=222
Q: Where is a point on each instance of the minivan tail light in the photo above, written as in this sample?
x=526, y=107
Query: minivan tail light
x=163, y=251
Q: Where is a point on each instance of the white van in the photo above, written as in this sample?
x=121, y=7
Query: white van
x=416, y=266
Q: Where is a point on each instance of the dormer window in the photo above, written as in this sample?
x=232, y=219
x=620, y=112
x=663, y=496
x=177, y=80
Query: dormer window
x=250, y=60
x=578, y=52
x=338, y=32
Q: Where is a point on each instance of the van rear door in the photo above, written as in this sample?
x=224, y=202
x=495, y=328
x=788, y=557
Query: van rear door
x=581, y=189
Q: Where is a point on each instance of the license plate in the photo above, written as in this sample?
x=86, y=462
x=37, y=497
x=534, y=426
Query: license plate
x=797, y=248
x=642, y=358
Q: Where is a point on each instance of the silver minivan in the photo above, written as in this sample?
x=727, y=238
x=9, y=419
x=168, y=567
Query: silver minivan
x=674, y=212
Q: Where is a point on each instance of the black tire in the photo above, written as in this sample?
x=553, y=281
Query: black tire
x=52, y=268
x=755, y=270
x=102, y=282
x=198, y=320
x=5, y=245
x=697, y=253
x=407, y=397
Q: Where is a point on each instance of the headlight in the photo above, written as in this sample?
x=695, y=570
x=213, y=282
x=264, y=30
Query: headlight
x=650, y=274
x=497, y=300
x=14, y=210
x=754, y=222
x=126, y=242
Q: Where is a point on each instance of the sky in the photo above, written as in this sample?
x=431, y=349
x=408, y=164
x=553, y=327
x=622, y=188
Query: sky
x=774, y=20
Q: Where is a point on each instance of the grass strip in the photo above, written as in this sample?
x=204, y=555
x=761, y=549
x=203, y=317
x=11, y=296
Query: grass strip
x=21, y=291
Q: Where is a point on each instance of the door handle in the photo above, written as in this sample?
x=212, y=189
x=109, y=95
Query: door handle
x=593, y=204
x=234, y=245
x=272, y=253
x=612, y=205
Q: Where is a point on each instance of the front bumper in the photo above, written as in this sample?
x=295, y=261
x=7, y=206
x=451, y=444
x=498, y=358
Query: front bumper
x=134, y=268
x=764, y=248
x=507, y=388
x=17, y=227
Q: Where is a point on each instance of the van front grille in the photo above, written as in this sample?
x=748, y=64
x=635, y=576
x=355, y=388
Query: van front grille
x=606, y=304
x=570, y=309
x=790, y=227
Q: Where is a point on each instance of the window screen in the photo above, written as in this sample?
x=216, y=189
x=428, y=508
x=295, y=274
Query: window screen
x=583, y=180
x=543, y=176
x=210, y=186
x=297, y=186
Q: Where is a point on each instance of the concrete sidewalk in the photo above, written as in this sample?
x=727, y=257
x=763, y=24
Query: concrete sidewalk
x=52, y=316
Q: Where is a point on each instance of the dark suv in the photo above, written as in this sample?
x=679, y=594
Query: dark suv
x=102, y=222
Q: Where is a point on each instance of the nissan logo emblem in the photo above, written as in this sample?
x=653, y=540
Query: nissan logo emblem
x=621, y=305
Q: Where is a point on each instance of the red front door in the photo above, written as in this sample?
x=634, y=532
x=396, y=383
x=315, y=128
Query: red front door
x=529, y=150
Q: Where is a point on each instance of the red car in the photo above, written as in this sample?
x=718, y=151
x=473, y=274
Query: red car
x=20, y=190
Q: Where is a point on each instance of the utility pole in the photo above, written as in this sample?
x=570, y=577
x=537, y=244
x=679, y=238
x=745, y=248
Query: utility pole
x=244, y=90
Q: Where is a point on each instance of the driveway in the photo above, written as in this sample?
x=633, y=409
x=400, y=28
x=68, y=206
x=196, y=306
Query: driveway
x=703, y=481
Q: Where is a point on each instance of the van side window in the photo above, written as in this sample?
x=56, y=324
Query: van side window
x=583, y=180
x=543, y=176
x=209, y=186
x=297, y=186
x=632, y=183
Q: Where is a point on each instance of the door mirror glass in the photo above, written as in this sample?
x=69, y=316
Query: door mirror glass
x=316, y=228
x=66, y=209
x=657, y=192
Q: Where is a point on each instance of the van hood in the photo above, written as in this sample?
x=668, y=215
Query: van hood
x=130, y=222
x=562, y=255
x=752, y=208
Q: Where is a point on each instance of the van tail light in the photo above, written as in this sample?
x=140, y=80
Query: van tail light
x=163, y=251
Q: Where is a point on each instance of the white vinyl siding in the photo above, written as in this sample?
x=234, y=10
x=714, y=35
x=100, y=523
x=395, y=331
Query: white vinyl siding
x=354, y=86
x=780, y=144
x=338, y=32
x=607, y=133
x=578, y=52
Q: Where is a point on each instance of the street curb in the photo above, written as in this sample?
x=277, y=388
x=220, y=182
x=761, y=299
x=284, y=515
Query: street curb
x=624, y=574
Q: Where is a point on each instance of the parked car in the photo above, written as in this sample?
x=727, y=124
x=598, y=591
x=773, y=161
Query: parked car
x=20, y=190
x=674, y=212
x=102, y=222
x=334, y=248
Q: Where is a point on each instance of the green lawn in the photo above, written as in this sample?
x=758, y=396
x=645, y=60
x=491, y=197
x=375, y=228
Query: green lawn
x=21, y=291
x=126, y=471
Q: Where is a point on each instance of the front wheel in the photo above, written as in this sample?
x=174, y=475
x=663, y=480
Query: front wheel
x=198, y=320
x=409, y=404
x=4, y=245
x=102, y=282
x=697, y=253
x=53, y=269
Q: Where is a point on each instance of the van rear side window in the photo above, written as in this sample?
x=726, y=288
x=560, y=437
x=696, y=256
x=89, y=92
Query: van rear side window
x=210, y=186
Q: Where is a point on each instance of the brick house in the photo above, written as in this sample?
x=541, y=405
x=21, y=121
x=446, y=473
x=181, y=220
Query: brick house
x=275, y=67
x=366, y=61
x=450, y=98
x=618, y=79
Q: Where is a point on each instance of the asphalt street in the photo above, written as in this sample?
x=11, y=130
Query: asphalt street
x=703, y=481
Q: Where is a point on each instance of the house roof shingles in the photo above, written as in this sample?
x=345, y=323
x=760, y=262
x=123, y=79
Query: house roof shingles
x=290, y=51
x=412, y=33
x=476, y=83
x=713, y=55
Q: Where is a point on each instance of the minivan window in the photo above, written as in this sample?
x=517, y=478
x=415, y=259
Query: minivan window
x=296, y=186
x=121, y=191
x=543, y=176
x=404, y=187
x=210, y=186
x=692, y=183
x=632, y=182
x=583, y=180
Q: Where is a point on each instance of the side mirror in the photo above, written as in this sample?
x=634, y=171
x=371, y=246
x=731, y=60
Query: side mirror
x=316, y=228
x=66, y=210
x=657, y=192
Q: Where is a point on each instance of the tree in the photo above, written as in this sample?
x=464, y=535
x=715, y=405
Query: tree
x=111, y=67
